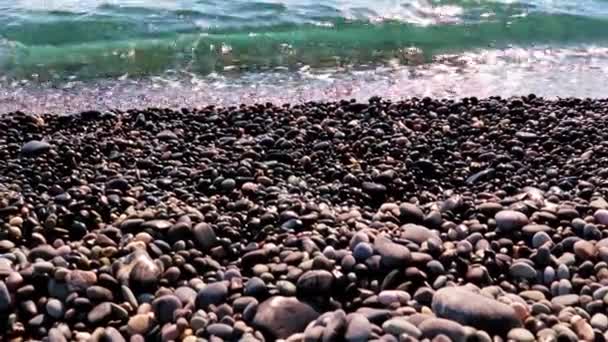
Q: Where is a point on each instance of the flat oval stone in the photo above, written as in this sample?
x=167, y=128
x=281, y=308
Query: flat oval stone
x=45, y=252
x=476, y=310
x=433, y=327
x=98, y=293
x=100, y=313
x=531, y=229
x=418, y=234
x=166, y=135
x=522, y=270
x=157, y=224
x=389, y=297
x=399, y=325
x=374, y=189
x=35, y=147
x=281, y=317
x=566, y=300
x=508, y=220
x=520, y=335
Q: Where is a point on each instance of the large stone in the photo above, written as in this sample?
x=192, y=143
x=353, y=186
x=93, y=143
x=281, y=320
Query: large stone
x=280, y=317
x=508, y=220
x=393, y=255
x=476, y=310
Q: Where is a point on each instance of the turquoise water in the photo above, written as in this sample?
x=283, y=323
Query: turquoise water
x=225, y=43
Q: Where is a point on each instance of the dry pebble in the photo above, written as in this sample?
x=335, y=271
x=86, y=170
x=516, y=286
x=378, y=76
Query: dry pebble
x=338, y=221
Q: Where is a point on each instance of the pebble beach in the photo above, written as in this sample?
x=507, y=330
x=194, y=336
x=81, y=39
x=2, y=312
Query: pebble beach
x=414, y=220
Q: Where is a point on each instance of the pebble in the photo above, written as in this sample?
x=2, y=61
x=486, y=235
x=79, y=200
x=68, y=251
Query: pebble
x=139, y=324
x=220, y=330
x=585, y=250
x=599, y=321
x=392, y=254
x=214, y=293
x=313, y=221
x=79, y=280
x=5, y=298
x=55, y=308
x=521, y=335
x=358, y=328
x=100, y=313
x=566, y=300
x=204, y=235
x=434, y=327
x=522, y=270
x=509, y=220
x=601, y=216
x=399, y=325
x=472, y=309
x=281, y=317
x=165, y=307
x=35, y=147
x=313, y=283
x=418, y=234
x=389, y=297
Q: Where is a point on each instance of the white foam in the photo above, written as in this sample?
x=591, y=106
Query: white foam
x=548, y=72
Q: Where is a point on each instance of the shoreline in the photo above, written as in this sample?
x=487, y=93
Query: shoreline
x=550, y=72
x=422, y=219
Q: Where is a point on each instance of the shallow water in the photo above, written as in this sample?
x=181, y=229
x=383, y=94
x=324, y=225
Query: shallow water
x=58, y=55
